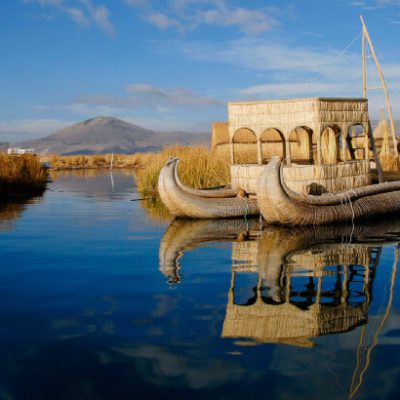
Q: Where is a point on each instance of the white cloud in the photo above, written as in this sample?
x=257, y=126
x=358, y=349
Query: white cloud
x=287, y=71
x=82, y=12
x=268, y=57
x=189, y=14
x=161, y=20
x=292, y=89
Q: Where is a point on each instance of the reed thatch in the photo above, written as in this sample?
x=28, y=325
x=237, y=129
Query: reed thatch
x=318, y=179
x=219, y=134
x=245, y=177
x=296, y=115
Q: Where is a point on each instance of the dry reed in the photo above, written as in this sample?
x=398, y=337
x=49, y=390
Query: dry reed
x=58, y=162
x=21, y=173
x=389, y=161
x=198, y=168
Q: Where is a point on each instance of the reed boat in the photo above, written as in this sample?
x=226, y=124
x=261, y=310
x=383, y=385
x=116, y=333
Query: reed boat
x=280, y=205
x=182, y=201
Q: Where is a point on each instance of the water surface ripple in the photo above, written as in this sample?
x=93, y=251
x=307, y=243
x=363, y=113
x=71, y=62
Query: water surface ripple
x=104, y=297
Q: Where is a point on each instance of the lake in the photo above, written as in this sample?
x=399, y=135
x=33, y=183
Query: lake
x=105, y=297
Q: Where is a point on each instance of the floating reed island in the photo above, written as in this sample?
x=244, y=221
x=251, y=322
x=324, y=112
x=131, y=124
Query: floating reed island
x=21, y=174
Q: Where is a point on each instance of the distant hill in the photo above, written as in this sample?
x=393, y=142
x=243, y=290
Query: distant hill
x=107, y=134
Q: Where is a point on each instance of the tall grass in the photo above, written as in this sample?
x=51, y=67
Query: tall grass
x=198, y=168
x=58, y=162
x=21, y=172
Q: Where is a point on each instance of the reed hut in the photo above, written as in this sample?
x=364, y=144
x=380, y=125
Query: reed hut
x=324, y=142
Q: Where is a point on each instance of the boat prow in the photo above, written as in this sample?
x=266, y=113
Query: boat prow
x=279, y=205
x=182, y=201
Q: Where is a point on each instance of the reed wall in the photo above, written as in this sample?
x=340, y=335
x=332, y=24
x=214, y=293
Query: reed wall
x=307, y=179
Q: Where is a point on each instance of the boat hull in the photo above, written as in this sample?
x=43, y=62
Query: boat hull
x=279, y=205
x=190, y=203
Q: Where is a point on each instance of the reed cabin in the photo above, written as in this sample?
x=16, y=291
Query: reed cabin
x=324, y=142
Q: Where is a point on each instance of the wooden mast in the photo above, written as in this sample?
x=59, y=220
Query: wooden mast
x=366, y=38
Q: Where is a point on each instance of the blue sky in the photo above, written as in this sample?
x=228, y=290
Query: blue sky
x=173, y=64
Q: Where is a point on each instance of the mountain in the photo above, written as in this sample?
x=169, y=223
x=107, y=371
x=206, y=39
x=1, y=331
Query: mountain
x=107, y=134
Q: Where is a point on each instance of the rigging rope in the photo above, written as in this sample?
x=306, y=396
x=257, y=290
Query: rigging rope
x=318, y=74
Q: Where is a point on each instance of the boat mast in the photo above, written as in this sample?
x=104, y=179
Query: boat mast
x=367, y=38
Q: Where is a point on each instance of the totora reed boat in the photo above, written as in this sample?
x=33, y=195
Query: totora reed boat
x=307, y=161
x=182, y=201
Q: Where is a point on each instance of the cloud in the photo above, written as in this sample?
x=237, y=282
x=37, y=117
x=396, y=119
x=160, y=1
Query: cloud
x=289, y=71
x=268, y=57
x=189, y=14
x=14, y=130
x=159, y=108
x=82, y=12
x=373, y=5
x=171, y=96
x=292, y=89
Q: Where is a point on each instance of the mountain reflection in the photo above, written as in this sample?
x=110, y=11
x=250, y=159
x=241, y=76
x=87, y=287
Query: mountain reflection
x=97, y=184
x=288, y=285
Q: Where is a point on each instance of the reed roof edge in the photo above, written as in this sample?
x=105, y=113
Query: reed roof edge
x=306, y=99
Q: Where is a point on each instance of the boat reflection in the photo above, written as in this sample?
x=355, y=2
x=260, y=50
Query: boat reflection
x=185, y=234
x=288, y=285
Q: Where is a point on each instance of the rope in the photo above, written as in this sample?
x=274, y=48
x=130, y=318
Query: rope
x=338, y=55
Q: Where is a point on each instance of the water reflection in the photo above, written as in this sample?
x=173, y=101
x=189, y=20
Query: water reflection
x=11, y=208
x=291, y=286
x=183, y=235
x=100, y=184
x=288, y=285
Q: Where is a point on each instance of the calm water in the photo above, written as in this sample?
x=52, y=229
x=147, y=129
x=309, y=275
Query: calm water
x=102, y=298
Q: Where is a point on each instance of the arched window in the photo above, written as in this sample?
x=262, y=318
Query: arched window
x=272, y=144
x=244, y=147
x=356, y=143
x=301, y=146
